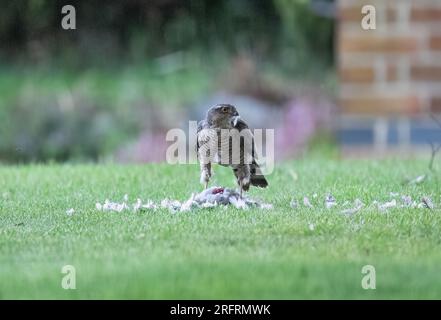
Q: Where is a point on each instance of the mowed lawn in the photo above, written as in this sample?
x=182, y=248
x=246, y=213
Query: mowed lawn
x=284, y=253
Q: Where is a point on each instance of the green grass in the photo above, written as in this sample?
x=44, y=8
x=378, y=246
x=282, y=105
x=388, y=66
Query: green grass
x=219, y=254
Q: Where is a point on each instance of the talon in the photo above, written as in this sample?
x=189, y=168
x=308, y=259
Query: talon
x=205, y=178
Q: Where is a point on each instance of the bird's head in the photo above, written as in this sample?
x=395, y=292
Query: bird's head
x=223, y=116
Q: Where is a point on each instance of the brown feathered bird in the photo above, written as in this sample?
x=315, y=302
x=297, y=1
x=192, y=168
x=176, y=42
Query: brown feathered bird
x=224, y=138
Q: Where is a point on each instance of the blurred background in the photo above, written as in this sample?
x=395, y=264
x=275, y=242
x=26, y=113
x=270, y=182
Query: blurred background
x=131, y=70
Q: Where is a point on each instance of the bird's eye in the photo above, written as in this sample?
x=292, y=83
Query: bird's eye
x=224, y=109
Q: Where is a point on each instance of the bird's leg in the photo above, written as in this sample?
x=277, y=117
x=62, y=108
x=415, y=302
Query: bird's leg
x=243, y=179
x=205, y=174
x=208, y=166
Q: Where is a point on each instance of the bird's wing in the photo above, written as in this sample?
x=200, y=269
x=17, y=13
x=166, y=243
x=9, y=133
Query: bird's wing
x=249, y=149
x=257, y=177
x=205, y=140
x=201, y=125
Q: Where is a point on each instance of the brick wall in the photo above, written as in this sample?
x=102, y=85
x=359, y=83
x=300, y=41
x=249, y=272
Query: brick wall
x=396, y=68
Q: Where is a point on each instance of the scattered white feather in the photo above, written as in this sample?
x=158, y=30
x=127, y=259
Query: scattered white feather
x=330, y=201
x=70, y=211
x=189, y=204
x=112, y=206
x=294, y=204
x=266, y=206
x=150, y=205
x=172, y=205
x=407, y=201
x=428, y=203
x=418, y=179
x=137, y=205
x=311, y=226
x=306, y=202
x=238, y=203
x=387, y=205
x=224, y=197
x=358, y=204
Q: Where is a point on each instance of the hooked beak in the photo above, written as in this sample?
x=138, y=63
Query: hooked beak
x=235, y=119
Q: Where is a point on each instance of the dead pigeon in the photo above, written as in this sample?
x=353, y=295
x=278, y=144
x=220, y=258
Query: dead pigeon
x=215, y=196
x=209, y=198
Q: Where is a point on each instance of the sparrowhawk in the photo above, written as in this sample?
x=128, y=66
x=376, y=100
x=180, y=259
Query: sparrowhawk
x=224, y=138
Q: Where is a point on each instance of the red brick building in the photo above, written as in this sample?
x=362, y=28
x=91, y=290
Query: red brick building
x=391, y=74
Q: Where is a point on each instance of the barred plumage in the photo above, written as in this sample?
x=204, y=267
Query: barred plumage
x=224, y=138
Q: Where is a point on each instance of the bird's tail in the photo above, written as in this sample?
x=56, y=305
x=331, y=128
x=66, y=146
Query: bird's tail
x=257, y=178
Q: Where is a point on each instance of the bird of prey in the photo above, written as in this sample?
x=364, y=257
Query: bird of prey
x=224, y=138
